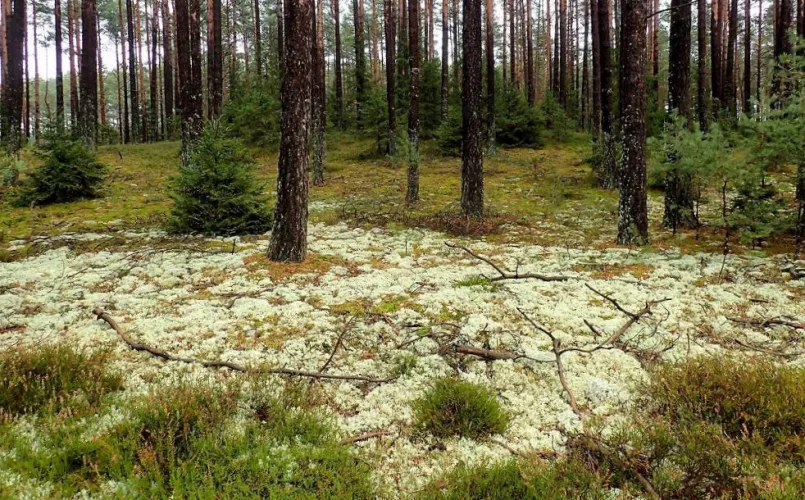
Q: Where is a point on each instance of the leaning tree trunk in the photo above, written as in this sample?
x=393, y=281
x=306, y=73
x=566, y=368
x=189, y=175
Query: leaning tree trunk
x=319, y=116
x=632, y=206
x=88, y=107
x=701, y=84
x=472, y=160
x=608, y=169
x=490, y=75
x=412, y=194
x=289, y=233
x=390, y=28
x=11, y=106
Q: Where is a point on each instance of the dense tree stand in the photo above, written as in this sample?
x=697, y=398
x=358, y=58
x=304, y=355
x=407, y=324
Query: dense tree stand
x=472, y=161
x=289, y=233
x=632, y=209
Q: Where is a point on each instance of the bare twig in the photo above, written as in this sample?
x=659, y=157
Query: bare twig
x=158, y=353
x=775, y=321
x=504, y=275
x=365, y=436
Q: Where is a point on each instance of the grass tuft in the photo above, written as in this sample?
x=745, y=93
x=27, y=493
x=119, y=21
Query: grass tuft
x=456, y=408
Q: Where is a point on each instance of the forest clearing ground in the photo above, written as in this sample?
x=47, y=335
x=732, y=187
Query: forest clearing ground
x=385, y=287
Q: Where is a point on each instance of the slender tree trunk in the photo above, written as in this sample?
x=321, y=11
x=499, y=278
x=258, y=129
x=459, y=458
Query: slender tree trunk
x=11, y=106
x=503, y=44
x=759, y=84
x=655, y=55
x=716, y=71
x=360, y=64
x=258, y=36
x=701, y=84
x=679, y=58
x=782, y=45
x=167, y=69
x=512, y=45
x=197, y=119
x=189, y=101
x=133, y=90
x=472, y=160
x=26, y=118
x=529, y=59
x=215, y=68
x=431, y=32
x=412, y=194
x=563, y=53
x=339, y=79
x=153, y=78
x=143, y=124
x=122, y=36
x=595, y=122
x=632, y=205
x=101, y=91
x=549, y=47
x=37, y=108
x=445, y=90
x=59, y=71
x=390, y=27
x=585, y=72
x=730, y=91
x=747, y=81
x=73, y=73
x=608, y=174
x=289, y=233
x=319, y=115
x=281, y=37
x=88, y=111
x=375, y=45
x=490, y=76
x=118, y=70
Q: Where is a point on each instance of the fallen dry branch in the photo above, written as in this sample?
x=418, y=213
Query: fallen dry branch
x=544, y=454
x=765, y=323
x=158, y=353
x=365, y=437
x=505, y=275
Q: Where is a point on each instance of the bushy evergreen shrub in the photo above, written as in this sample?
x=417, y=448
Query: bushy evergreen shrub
x=10, y=169
x=253, y=112
x=454, y=407
x=70, y=172
x=516, y=123
x=217, y=193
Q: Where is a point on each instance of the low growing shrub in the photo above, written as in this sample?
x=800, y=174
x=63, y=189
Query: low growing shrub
x=453, y=407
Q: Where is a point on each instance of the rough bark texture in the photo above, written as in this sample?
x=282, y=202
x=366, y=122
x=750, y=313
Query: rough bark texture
x=360, y=64
x=319, y=116
x=716, y=71
x=215, y=58
x=390, y=29
x=289, y=233
x=679, y=58
x=747, y=80
x=529, y=61
x=153, y=78
x=37, y=108
x=339, y=79
x=512, y=45
x=167, y=68
x=585, y=71
x=562, y=14
x=608, y=169
x=595, y=126
x=71, y=38
x=135, y=106
x=632, y=209
x=11, y=106
x=472, y=162
x=701, y=84
x=59, y=70
x=730, y=90
x=412, y=194
x=490, y=75
x=258, y=36
x=88, y=107
x=189, y=53
x=445, y=90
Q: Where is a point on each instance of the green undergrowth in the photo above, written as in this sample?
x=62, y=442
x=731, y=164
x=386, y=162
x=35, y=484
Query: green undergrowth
x=247, y=439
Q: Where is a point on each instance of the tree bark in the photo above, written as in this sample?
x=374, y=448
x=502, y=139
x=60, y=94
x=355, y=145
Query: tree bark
x=679, y=58
x=390, y=28
x=360, y=63
x=37, y=108
x=608, y=174
x=133, y=90
x=188, y=47
x=701, y=84
x=472, y=166
x=563, y=53
x=595, y=125
x=167, y=69
x=11, y=105
x=88, y=107
x=59, y=71
x=125, y=101
x=215, y=55
x=782, y=45
x=101, y=91
x=289, y=233
x=71, y=37
x=153, y=78
x=319, y=114
x=512, y=45
x=412, y=193
x=716, y=71
x=529, y=59
x=258, y=36
x=747, y=81
x=730, y=90
x=585, y=71
x=490, y=75
x=632, y=205
x=445, y=89
x=339, y=79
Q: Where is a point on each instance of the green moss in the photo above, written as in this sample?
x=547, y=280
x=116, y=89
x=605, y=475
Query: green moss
x=456, y=408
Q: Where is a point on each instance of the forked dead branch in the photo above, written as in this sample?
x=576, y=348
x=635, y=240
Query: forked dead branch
x=507, y=275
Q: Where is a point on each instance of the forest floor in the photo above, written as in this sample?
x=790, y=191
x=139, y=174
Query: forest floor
x=382, y=295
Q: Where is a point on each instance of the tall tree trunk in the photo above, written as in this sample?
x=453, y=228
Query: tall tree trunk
x=563, y=53
x=88, y=110
x=512, y=45
x=529, y=59
x=197, y=116
x=747, y=90
x=730, y=91
x=679, y=58
x=782, y=45
x=215, y=58
x=167, y=67
x=37, y=108
x=101, y=91
x=189, y=100
x=11, y=105
x=153, y=78
x=122, y=36
x=595, y=121
x=759, y=83
x=490, y=74
x=360, y=63
x=431, y=33
x=445, y=90
x=412, y=193
x=701, y=84
x=585, y=72
x=133, y=90
x=143, y=124
x=503, y=44
x=655, y=54
x=472, y=160
x=632, y=205
x=289, y=233
x=549, y=47
x=59, y=71
x=281, y=36
x=258, y=36
x=118, y=70
x=319, y=114
x=375, y=45
x=27, y=83
x=608, y=175
x=73, y=73
x=390, y=28
x=339, y=79
x=716, y=50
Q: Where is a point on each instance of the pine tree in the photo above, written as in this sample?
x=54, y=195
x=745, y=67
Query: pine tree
x=289, y=232
x=412, y=193
x=390, y=29
x=490, y=75
x=12, y=96
x=472, y=173
x=88, y=107
x=701, y=83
